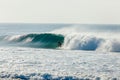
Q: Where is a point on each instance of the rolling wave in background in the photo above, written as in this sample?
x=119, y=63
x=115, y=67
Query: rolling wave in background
x=72, y=38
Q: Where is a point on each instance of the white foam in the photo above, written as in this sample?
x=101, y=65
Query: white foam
x=31, y=63
x=77, y=39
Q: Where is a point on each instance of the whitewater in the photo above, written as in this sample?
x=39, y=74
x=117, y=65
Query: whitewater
x=59, y=52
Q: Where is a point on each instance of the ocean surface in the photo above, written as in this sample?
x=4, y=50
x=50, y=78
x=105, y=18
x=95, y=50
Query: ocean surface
x=59, y=51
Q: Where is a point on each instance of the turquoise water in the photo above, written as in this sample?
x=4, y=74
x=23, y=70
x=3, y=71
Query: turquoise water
x=46, y=40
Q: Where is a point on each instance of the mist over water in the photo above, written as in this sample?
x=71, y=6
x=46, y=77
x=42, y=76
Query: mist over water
x=87, y=37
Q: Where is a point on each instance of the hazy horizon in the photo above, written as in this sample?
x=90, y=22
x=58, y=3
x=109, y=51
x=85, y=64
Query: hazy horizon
x=63, y=11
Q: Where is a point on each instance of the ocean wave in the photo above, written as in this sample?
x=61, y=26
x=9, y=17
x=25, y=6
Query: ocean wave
x=45, y=40
x=71, y=41
x=81, y=42
x=91, y=42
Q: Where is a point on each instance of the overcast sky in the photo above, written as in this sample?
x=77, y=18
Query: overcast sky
x=60, y=11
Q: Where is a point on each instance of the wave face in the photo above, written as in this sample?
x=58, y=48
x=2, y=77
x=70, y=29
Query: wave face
x=45, y=40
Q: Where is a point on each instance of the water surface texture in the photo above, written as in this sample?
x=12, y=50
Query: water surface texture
x=59, y=51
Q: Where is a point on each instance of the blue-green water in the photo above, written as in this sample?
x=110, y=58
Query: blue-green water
x=46, y=40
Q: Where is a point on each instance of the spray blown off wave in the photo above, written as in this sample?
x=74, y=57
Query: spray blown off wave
x=69, y=41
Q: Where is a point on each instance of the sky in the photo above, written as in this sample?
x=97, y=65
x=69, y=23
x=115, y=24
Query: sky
x=60, y=11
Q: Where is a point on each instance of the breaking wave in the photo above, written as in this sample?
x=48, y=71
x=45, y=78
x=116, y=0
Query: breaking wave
x=90, y=42
x=45, y=40
x=71, y=41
